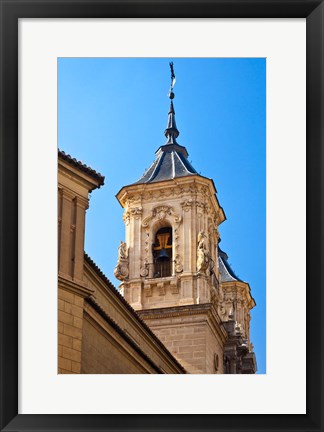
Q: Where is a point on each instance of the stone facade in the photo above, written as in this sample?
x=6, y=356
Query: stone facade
x=74, y=185
x=189, y=206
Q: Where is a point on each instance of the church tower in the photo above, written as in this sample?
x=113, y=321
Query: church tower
x=169, y=265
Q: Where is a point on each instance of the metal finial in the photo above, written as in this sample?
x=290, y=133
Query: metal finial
x=173, y=80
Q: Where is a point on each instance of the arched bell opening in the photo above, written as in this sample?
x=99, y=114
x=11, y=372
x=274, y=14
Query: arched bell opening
x=162, y=252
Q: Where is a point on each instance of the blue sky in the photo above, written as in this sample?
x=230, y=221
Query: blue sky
x=112, y=113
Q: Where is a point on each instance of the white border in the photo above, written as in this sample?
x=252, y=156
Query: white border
x=283, y=42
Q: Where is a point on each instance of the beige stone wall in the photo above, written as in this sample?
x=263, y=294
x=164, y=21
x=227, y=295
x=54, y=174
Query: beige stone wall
x=107, y=352
x=186, y=342
x=213, y=347
x=70, y=320
x=190, y=336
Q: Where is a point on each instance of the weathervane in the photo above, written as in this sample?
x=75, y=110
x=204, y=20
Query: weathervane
x=173, y=81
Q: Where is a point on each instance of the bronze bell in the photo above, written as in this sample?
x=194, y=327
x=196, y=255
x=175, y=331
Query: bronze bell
x=163, y=255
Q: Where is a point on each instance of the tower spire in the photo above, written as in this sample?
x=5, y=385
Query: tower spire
x=171, y=132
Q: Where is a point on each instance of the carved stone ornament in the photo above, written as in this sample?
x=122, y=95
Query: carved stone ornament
x=126, y=217
x=187, y=205
x=136, y=211
x=160, y=213
x=133, y=211
x=121, y=271
x=144, y=271
x=178, y=264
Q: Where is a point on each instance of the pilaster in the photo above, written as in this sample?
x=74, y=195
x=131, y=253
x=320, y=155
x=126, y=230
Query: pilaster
x=65, y=240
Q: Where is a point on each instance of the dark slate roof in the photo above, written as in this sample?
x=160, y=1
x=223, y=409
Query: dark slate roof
x=78, y=164
x=171, y=158
x=171, y=162
x=226, y=272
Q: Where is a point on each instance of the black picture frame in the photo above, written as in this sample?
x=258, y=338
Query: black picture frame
x=11, y=11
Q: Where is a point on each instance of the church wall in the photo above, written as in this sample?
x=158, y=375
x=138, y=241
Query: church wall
x=186, y=341
x=189, y=334
x=214, y=347
x=105, y=351
x=70, y=314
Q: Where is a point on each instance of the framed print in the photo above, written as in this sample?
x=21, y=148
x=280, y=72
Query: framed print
x=105, y=40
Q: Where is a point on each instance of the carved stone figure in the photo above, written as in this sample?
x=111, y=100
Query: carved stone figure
x=122, y=251
x=121, y=270
x=202, y=253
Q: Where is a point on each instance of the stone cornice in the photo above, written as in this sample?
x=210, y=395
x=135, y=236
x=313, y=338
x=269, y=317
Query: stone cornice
x=187, y=310
x=79, y=177
x=244, y=287
x=173, y=188
x=76, y=287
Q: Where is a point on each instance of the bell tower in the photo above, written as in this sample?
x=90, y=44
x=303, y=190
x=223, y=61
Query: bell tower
x=169, y=265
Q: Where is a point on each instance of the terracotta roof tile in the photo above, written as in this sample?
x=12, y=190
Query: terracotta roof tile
x=83, y=167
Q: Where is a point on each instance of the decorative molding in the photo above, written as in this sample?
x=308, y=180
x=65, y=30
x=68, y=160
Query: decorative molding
x=72, y=228
x=201, y=206
x=126, y=217
x=160, y=213
x=136, y=211
x=161, y=288
x=82, y=202
x=67, y=194
x=187, y=205
x=132, y=212
x=80, y=288
x=148, y=291
x=174, y=288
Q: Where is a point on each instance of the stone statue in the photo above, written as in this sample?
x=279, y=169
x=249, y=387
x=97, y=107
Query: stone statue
x=202, y=253
x=122, y=251
x=121, y=270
